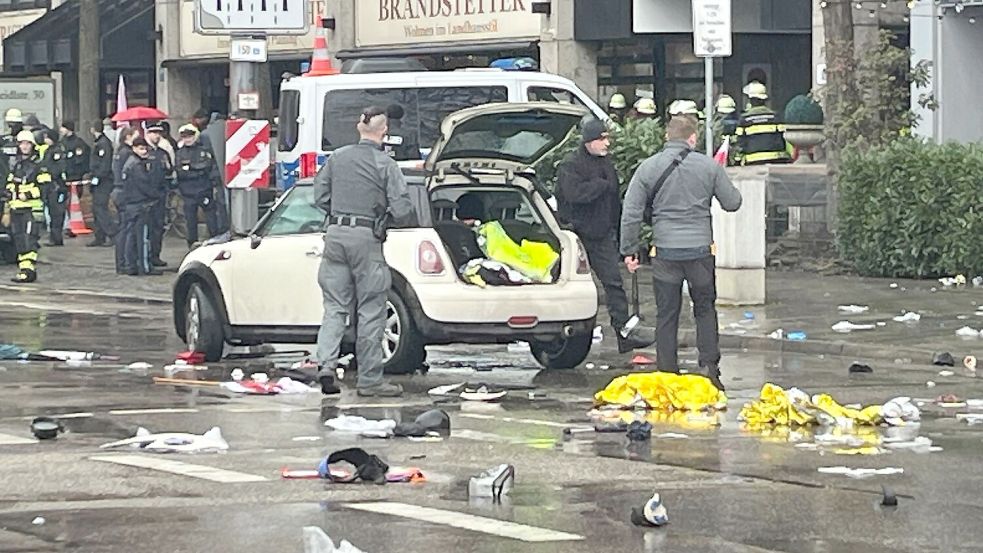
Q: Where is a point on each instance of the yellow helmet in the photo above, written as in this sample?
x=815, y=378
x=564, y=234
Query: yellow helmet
x=617, y=101
x=645, y=106
x=26, y=136
x=684, y=107
x=14, y=115
x=726, y=104
x=754, y=89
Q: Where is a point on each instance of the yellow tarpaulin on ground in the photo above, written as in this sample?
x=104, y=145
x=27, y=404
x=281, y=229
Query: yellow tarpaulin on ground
x=794, y=407
x=662, y=391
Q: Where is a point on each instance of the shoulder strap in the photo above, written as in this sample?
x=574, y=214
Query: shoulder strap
x=676, y=162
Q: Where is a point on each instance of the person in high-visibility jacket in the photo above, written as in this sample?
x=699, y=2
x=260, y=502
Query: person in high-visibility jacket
x=22, y=194
x=760, y=137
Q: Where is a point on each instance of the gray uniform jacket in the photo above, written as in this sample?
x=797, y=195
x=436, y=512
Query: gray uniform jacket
x=681, y=209
x=362, y=180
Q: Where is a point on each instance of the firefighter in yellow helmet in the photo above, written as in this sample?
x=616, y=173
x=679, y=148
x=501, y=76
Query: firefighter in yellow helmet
x=725, y=119
x=22, y=195
x=760, y=137
x=617, y=107
x=644, y=108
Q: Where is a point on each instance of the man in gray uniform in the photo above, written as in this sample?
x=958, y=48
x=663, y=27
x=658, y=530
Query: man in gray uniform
x=360, y=188
x=678, y=184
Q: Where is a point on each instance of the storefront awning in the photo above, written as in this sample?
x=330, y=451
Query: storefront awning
x=33, y=51
x=437, y=49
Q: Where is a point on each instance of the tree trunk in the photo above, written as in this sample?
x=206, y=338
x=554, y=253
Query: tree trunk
x=840, y=78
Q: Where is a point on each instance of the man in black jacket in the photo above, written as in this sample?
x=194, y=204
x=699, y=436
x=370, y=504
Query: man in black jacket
x=141, y=178
x=589, y=201
x=101, y=186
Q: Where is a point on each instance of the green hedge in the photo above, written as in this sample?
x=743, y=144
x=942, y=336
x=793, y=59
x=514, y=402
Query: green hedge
x=912, y=209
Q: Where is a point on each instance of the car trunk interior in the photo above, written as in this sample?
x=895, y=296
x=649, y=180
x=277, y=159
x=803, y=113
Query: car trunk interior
x=458, y=211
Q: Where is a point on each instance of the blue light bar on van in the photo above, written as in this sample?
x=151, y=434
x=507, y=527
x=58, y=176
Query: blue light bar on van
x=516, y=64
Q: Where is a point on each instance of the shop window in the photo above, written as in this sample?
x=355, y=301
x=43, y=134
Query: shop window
x=423, y=110
x=288, y=128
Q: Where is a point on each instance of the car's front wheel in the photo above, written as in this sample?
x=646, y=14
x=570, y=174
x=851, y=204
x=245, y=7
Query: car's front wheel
x=203, y=327
x=402, y=345
x=563, y=353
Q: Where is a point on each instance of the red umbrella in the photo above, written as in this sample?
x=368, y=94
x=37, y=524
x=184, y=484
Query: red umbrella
x=139, y=113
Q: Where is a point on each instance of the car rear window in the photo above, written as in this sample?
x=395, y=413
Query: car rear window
x=423, y=110
x=288, y=129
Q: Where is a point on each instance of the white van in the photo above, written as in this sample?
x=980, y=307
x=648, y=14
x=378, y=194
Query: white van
x=318, y=114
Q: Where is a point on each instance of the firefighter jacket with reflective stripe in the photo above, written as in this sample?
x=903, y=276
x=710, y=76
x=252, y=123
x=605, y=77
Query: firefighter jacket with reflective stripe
x=24, y=183
x=760, y=138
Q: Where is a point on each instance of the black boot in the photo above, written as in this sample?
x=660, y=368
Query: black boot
x=328, y=387
x=713, y=375
x=637, y=338
x=25, y=276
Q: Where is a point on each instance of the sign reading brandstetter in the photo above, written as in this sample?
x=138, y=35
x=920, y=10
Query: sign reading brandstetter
x=400, y=22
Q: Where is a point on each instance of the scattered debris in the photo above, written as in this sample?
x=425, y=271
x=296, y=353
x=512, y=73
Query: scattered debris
x=652, y=513
x=970, y=363
x=432, y=421
x=306, y=438
x=894, y=285
x=867, y=450
x=970, y=418
x=977, y=281
x=494, y=482
x=362, y=426
x=174, y=442
x=968, y=332
x=571, y=431
x=793, y=407
x=237, y=375
x=797, y=336
x=889, y=499
x=261, y=386
x=861, y=472
x=642, y=360
x=661, y=391
x=847, y=326
x=38, y=521
x=857, y=367
x=444, y=390
x=368, y=467
x=974, y=403
x=930, y=384
x=77, y=355
x=946, y=373
x=46, y=428
x=908, y=317
x=191, y=357
x=958, y=280
x=672, y=436
x=598, y=336
x=316, y=541
x=519, y=347
x=919, y=444
x=853, y=309
x=589, y=366
x=639, y=431
x=943, y=359
x=482, y=393
x=777, y=335
x=140, y=366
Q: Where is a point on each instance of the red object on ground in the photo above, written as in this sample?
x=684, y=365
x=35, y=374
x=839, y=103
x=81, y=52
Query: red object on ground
x=192, y=357
x=139, y=113
x=642, y=360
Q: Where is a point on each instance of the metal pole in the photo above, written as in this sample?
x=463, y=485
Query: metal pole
x=708, y=107
x=243, y=203
x=88, y=74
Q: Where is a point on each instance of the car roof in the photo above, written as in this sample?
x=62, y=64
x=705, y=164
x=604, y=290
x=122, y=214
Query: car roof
x=485, y=75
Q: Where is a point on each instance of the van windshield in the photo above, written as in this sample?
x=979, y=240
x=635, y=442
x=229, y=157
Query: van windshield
x=289, y=111
x=415, y=113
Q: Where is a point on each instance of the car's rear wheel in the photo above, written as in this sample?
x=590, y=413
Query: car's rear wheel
x=203, y=327
x=402, y=345
x=564, y=353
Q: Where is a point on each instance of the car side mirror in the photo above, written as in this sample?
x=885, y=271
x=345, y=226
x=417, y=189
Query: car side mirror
x=255, y=240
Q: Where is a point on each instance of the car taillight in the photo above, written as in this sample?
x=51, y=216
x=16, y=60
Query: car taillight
x=521, y=321
x=583, y=265
x=308, y=164
x=428, y=260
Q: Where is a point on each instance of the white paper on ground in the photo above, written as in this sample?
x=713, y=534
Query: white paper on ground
x=861, y=472
x=853, y=309
x=346, y=423
x=909, y=317
x=176, y=442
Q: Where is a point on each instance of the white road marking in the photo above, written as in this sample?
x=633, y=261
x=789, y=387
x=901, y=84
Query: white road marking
x=160, y=411
x=65, y=416
x=221, y=476
x=478, y=436
x=465, y=521
x=7, y=439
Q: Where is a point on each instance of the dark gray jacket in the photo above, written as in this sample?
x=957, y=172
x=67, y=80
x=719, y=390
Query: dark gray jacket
x=681, y=209
x=362, y=180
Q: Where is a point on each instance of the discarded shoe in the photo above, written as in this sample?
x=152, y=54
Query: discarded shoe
x=652, y=513
x=943, y=359
x=636, y=337
x=328, y=386
x=639, y=431
x=860, y=368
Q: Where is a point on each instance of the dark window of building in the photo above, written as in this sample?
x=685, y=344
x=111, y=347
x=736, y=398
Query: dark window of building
x=288, y=127
x=423, y=110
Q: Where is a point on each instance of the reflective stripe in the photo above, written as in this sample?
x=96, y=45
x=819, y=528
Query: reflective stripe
x=760, y=129
x=28, y=256
x=764, y=156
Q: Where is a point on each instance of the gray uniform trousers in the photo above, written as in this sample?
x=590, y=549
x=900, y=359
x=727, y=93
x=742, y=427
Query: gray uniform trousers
x=353, y=272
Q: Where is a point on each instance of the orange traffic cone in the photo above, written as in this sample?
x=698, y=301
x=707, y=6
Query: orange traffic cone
x=321, y=61
x=76, y=225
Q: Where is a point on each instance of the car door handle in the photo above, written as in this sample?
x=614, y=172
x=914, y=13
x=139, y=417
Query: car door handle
x=313, y=252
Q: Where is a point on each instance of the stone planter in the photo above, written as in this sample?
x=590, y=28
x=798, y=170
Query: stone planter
x=804, y=138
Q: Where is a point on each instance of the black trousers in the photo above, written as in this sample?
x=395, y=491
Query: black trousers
x=56, y=200
x=668, y=279
x=221, y=212
x=157, y=227
x=605, y=260
x=105, y=226
x=120, y=237
x=135, y=234
x=209, y=206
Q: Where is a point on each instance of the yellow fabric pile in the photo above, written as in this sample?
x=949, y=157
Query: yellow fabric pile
x=662, y=391
x=533, y=259
x=794, y=407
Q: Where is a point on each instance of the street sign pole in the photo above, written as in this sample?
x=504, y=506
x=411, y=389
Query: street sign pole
x=243, y=102
x=711, y=39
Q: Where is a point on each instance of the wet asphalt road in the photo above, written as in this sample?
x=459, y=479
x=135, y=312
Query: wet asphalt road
x=726, y=489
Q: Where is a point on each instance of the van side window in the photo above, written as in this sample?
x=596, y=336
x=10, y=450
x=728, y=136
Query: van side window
x=423, y=110
x=289, y=112
x=551, y=94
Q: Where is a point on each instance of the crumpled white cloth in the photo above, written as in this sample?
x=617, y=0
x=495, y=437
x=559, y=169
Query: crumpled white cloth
x=361, y=425
x=900, y=411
